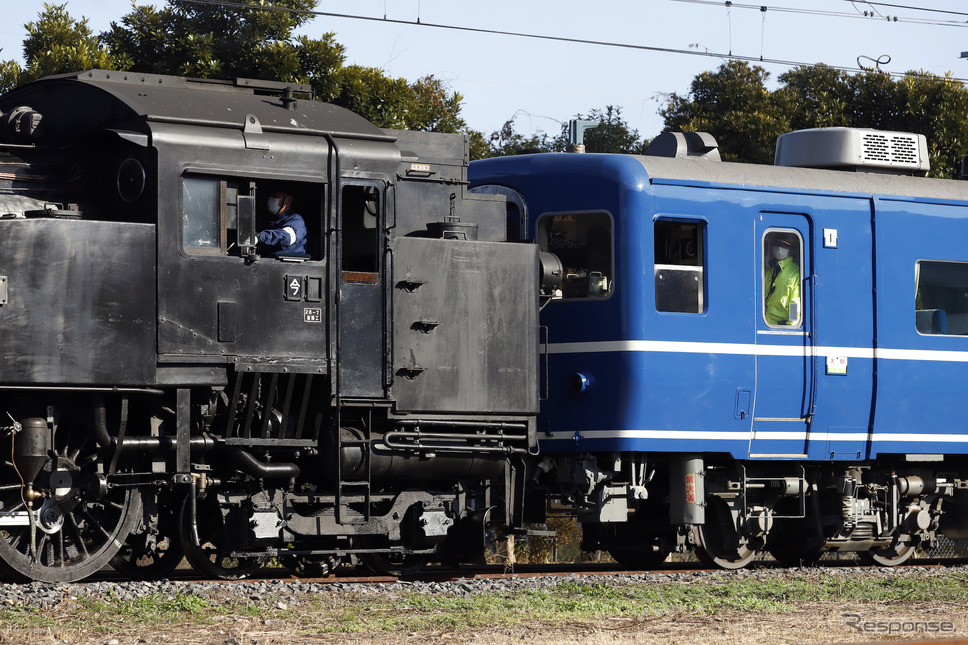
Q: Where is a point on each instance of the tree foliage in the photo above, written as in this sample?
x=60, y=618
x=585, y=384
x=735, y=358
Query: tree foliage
x=56, y=43
x=612, y=134
x=212, y=41
x=734, y=105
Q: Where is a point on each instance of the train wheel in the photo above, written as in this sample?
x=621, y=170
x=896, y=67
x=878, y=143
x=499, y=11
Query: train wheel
x=719, y=541
x=80, y=522
x=890, y=556
x=790, y=541
x=394, y=564
x=211, y=556
x=310, y=566
x=152, y=552
x=389, y=563
x=639, y=560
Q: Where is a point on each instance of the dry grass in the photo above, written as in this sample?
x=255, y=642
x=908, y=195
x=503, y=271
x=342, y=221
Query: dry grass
x=594, y=615
x=816, y=623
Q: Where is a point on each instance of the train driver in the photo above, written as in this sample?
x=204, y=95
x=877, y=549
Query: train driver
x=782, y=281
x=287, y=230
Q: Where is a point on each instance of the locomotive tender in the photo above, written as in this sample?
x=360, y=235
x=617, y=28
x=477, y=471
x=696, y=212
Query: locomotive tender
x=684, y=413
x=168, y=387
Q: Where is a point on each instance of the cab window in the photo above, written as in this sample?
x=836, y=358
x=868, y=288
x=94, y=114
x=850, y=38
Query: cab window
x=679, y=266
x=203, y=215
x=583, y=243
x=361, y=240
x=941, y=298
x=210, y=211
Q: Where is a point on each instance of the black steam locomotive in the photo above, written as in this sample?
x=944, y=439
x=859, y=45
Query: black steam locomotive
x=168, y=387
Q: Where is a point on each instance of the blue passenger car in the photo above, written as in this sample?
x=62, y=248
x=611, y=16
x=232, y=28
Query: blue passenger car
x=746, y=357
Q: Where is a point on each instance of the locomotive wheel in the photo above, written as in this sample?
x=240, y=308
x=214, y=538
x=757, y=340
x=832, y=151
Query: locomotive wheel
x=639, y=560
x=888, y=556
x=310, y=566
x=390, y=563
x=211, y=557
x=395, y=564
x=152, y=554
x=719, y=541
x=79, y=524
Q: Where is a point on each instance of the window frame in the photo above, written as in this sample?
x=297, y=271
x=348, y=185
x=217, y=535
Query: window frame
x=542, y=239
x=702, y=226
x=257, y=186
x=356, y=275
x=221, y=224
x=764, y=263
x=917, y=289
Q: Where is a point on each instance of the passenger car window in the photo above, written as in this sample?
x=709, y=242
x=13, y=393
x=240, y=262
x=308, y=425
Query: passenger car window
x=679, y=266
x=583, y=243
x=782, y=282
x=941, y=298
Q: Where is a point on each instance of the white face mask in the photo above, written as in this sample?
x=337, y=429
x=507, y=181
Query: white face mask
x=781, y=253
x=273, y=205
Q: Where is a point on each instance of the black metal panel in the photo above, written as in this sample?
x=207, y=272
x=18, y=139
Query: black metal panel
x=81, y=302
x=361, y=345
x=222, y=306
x=465, y=326
x=433, y=187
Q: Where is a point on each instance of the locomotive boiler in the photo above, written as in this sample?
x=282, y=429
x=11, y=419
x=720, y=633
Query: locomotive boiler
x=167, y=386
x=748, y=358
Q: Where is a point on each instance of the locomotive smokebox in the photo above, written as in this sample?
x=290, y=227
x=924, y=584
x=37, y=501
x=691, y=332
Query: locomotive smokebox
x=30, y=448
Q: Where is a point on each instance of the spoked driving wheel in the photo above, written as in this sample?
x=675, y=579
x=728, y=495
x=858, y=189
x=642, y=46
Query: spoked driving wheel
x=721, y=545
x=205, y=543
x=62, y=518
x=153, y=549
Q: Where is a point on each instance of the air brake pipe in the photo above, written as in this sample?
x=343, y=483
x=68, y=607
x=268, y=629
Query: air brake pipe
x=199, y=443
x=392, y=440
x=252, y=466
x=104, y=439
x=500, y=425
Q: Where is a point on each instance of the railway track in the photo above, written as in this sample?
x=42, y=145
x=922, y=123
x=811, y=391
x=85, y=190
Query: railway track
x=437, y=574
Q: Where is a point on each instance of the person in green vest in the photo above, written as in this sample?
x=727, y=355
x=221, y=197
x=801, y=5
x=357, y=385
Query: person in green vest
x=782, y=281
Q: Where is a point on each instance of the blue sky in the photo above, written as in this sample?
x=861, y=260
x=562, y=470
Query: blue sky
x=541, y=82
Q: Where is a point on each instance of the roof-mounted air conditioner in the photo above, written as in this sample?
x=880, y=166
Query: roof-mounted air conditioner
x=854, y=149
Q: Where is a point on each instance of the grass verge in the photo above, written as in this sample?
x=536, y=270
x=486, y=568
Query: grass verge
x=396, y=611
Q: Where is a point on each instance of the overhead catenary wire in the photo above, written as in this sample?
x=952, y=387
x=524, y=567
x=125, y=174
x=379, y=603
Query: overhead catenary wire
x=562, y=39
x=912, y=8
x=827, y=12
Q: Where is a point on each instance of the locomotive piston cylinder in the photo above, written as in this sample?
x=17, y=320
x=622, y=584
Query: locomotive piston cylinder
x=386, y=464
